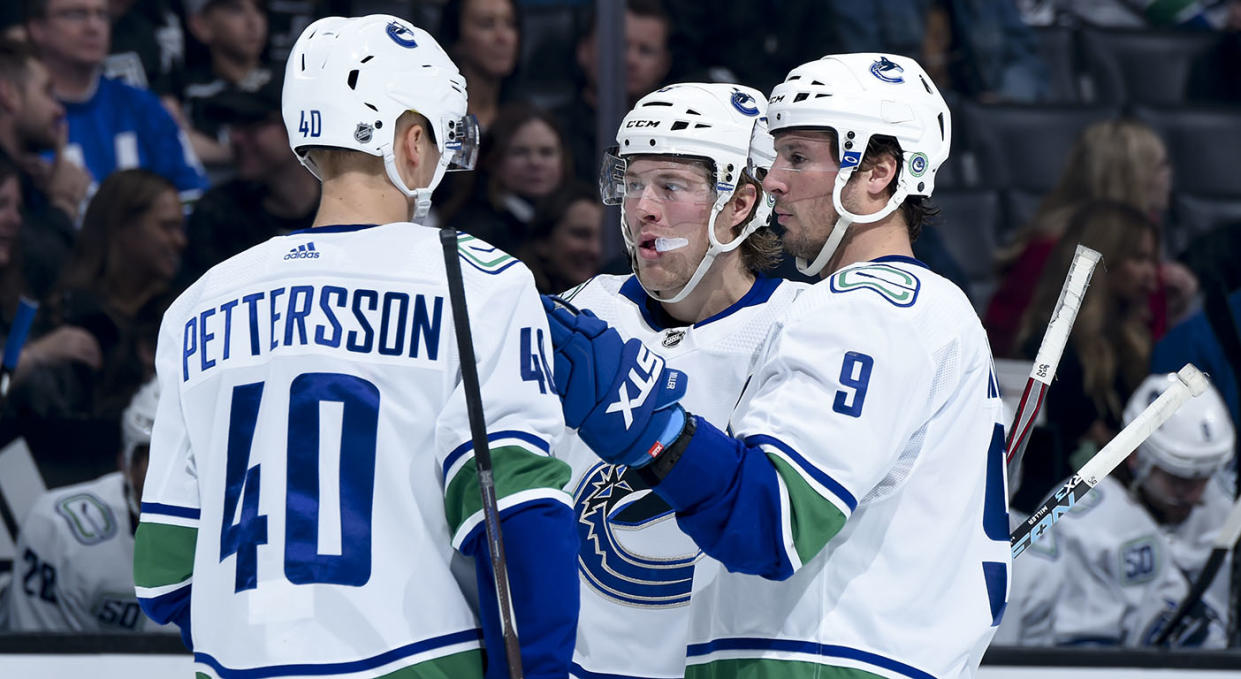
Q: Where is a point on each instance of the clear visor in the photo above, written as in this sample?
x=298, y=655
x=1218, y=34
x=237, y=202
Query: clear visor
x=461, y=146
x=621, y=182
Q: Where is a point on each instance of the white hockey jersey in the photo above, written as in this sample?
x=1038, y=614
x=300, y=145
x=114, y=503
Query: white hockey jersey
x=1118, y=576
x=311, y=462
x=636, y=567
x=877, y=405
x=75, y=563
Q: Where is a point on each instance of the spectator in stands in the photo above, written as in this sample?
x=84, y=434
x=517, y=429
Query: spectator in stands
x=112, y=125
x=483, y=38
x=647, y=60
x=115, y=287
x=566, y=239
x=1121, y=160
x=1110, y=344
x=76, y=545
x=522, y=159
x=272, y=194
x=32, y=126
x=63, y=344
x=148, y=47
x=235, y=33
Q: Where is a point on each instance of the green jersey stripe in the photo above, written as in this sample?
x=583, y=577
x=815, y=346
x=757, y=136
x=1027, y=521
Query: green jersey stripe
x=163, y=554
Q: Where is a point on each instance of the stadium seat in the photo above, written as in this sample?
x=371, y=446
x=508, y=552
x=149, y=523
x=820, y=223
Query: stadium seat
x=1023, y=146
x=1204, y=144
x=1057, y=45
x=1019, y=209
x=968, y=224
x=1141, y=66
x=1195, y=215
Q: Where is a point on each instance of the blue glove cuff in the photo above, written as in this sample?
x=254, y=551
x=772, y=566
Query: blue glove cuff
x=671, y=430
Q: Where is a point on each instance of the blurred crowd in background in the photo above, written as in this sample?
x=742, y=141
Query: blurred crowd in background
x=141, y=143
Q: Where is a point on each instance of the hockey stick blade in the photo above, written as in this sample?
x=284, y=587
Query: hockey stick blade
x=1224, y=541
x=1190, y=382
x=1049, y=352
x=482, y=451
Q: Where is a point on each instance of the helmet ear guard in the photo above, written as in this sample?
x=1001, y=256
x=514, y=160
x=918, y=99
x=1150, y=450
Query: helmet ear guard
x=860, y=96
x=348, y=81
x=714, y=122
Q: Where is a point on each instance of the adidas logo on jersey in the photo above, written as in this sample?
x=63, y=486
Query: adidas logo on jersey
x=306, y=251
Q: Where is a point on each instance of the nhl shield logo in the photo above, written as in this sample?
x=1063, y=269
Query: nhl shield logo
x=363, y=133
x=673, y=337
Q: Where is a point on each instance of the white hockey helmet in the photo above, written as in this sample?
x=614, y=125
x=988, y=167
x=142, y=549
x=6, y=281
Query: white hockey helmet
x=860, y=96
x=1194, y=443
x=717, y=122
x=137, y=420
x=348, y=80
x=136, y=424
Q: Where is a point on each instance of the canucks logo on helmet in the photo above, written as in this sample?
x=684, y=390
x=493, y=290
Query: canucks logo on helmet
x=744, y=103
x=887, y=70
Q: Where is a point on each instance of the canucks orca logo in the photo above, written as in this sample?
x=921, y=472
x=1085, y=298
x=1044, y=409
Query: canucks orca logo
x=612, y=503
x=745, y=103
x=887, y=70
x=917, y=164
x=401, y=35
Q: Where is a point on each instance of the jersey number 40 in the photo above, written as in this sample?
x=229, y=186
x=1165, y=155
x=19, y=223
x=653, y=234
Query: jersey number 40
x=303, y=563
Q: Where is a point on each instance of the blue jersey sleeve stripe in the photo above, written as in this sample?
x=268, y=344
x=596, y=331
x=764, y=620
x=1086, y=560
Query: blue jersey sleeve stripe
x=332, y=669
x=468, y=446
x=809, y=648
x=815, y=473
x=170, y=510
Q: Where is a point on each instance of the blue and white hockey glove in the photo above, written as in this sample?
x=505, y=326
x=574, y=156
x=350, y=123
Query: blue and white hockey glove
x=620, y=396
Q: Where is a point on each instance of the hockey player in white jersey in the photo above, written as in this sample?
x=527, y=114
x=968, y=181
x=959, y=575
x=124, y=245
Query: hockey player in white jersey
x=694, y=221
x=857, y=502
x=1125, y=557
x=312, y=479
x=75, y=550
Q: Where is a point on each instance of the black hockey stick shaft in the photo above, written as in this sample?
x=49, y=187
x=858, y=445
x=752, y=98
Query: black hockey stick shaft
x=482, y=451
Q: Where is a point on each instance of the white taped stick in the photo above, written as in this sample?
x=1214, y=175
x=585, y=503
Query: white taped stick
x=1190, y=382
x=1064, y=314
x=1049, y=352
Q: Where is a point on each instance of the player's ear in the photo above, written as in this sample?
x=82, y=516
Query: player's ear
x=743, y=201
x=412, y=156
x=882, y=173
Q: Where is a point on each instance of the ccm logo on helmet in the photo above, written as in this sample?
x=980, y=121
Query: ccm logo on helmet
x=642, y=123
x=401, y=35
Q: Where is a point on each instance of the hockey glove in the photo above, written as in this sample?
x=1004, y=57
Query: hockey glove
x=620, y=396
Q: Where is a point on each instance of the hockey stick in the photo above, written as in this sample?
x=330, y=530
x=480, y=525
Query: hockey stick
x=16, y=340
x=1191, y=382
x=1224, y=541
x=482, y=451
x=1048, y=357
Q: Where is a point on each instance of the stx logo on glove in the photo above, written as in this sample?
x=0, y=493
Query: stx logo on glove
x=652, y=364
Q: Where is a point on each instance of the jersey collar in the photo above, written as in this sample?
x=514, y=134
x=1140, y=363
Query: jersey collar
x=902, y=258
x=333, y=228
x=658, y=319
